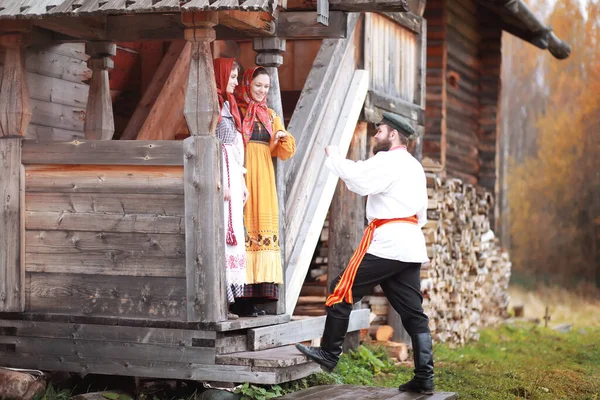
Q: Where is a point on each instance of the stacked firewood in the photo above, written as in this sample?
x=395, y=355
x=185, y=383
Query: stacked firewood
x=465, y=284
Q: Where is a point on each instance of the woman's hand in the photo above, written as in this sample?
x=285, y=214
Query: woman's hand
x=279, y=135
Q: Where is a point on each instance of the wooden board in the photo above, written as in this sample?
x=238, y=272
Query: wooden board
x=344, y=392
x=104, y=179
x=103, y=152
x=278, y=357
x=105, y=203
x=160, y=369
x=251, y=322
x=138, y=223
x=299, y=331
x=11, y=264
x=108, y=333
x=204, y=232
x=98, y=295
x=39, y=132
x=111, y=350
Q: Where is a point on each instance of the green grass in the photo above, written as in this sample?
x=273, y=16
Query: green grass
x=509, y=362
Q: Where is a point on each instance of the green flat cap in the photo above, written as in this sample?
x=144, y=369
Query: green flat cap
x=398, y=123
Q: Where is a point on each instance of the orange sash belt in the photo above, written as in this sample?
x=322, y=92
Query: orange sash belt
x=343, y=290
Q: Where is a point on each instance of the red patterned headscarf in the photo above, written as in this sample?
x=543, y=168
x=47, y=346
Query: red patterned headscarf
x=254, y=109
x=223, y=67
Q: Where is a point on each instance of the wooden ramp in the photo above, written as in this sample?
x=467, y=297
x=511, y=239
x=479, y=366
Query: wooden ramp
x=347, y=392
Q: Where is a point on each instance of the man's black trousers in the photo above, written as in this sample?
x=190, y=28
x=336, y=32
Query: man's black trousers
x=401, y=283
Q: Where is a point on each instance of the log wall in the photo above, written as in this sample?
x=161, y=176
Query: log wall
x=56, y=78
x=463, y=85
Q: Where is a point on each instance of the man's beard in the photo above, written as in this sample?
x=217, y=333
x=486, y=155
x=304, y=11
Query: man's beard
x=383, y=145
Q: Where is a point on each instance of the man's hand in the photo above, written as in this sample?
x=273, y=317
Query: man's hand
x=226, y=194
x=245, y=194
x=329, y=150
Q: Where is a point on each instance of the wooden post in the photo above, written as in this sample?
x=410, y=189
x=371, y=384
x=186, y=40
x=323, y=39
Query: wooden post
x=346, y=213
x=204, y=230
x=15, y=114
x=99, y=120
x=269, y=55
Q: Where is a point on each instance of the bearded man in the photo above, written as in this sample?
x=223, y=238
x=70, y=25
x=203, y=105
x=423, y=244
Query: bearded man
x=391, y=251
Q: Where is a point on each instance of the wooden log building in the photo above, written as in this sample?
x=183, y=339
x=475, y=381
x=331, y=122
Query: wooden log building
x=111, y=231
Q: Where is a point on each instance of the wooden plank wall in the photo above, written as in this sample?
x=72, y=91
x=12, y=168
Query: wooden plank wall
x=105, y=241
x=462, y=90
x=490, y=55
x=56, y=76
x=435, y=111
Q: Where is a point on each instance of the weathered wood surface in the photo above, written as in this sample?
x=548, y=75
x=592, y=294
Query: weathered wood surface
x=171, y=62
x=99, y=119
x=57, y=115
x=138, y=223
x=15, y=109
x=304, y=25
x=162, y=369
x=299, y=331
x=104, y=179
x=204, y=230
x=111, y=350
x=39, y=132
x=12, y=282
x=92, y=152
x=344, y=392
x=153, y=204
x=108, y=333
x=201, y=107
x=346, y=214
x=251, y=322
x=231, y=342
x=100, y=295
x=161, y=109
x=278, y=357
x=307, y=208
x=103, y=253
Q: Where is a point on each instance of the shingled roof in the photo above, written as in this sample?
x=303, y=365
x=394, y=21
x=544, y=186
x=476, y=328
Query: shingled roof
x=25, y=9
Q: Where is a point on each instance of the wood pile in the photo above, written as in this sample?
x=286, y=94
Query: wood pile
x=464, y=286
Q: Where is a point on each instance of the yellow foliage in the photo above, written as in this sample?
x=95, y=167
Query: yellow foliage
x=550, y=192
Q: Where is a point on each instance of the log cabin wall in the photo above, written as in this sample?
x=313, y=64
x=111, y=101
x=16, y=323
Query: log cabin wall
x=463, y=84
x=462, y=90
x=104, y=240
x=56, y=76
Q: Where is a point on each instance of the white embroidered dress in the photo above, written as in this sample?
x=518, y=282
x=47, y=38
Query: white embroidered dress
x=233, y=177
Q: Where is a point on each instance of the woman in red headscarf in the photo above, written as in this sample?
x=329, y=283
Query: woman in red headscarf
x=265, y=137
x=229, y=132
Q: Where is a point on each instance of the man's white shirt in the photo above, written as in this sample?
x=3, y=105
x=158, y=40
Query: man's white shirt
x=395, y=184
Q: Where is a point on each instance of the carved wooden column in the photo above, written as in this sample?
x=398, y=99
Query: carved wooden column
x=99, y=120
x=204, y=228
x=15, y=114
x=270, y=56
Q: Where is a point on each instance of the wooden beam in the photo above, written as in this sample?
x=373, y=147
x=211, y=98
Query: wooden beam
x=304, y=25
x=160, y=110
x=12, y=268
x=15, y=109
x=103, y=152
x=99, y=119
x=351, y=5
x=82, y=28
x=204, y=233
x=383, y=102
x=201, y=107
x=250, y=23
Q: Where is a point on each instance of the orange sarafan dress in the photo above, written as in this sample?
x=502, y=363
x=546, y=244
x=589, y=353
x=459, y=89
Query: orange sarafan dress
x=264, y=270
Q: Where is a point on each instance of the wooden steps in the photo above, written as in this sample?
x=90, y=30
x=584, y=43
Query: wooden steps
x=256, y=350
x=345, y=392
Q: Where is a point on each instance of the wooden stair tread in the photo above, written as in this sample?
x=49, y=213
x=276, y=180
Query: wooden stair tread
x=279, y=357
x=251, y=322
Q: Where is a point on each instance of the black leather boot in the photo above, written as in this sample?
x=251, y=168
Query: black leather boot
x=329, y=353
x=423, y=356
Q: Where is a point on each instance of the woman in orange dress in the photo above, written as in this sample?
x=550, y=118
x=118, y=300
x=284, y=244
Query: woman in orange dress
x=265, y=137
